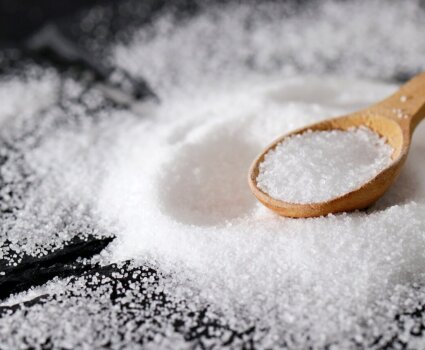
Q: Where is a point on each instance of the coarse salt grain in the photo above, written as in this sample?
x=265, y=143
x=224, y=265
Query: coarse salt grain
x=317, y=166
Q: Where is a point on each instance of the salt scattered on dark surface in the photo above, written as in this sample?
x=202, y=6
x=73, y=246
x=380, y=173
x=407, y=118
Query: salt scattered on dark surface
x=226, y=273
x=40, y=143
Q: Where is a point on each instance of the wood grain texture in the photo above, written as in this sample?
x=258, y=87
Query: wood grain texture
x=394, y=118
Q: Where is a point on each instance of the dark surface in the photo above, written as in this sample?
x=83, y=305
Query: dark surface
x=61, y=263
x=21, y=18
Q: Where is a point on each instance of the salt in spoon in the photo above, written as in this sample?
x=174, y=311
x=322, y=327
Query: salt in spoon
x=394, y=118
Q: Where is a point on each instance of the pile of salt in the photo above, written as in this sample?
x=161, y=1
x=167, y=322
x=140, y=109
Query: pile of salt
x=318, y=166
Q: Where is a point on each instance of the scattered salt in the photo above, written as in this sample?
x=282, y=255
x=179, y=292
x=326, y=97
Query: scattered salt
x=343, y=281
x=31, y=95
x=318, y=166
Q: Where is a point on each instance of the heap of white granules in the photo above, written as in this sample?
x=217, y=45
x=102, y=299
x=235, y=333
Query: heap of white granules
x=318, y=166
x=171, y=185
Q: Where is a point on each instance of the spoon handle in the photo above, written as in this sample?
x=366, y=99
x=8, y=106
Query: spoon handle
x=406, y=105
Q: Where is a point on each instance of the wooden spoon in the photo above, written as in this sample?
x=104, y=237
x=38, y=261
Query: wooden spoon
x=394, y=118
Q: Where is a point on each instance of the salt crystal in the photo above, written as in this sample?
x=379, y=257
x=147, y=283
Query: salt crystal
x=318, y=166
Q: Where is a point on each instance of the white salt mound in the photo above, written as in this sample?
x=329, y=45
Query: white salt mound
x=171, y=184
x=318, y=166
x=189, y=209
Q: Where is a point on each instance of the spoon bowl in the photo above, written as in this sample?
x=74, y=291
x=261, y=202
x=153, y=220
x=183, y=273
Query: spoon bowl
x=394, y=118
